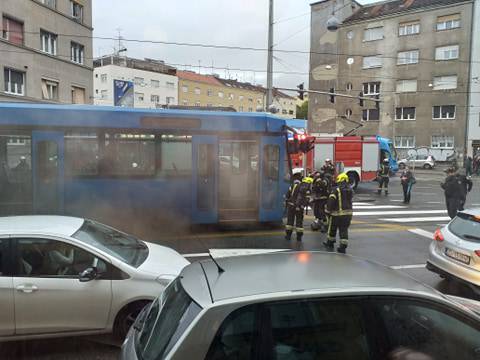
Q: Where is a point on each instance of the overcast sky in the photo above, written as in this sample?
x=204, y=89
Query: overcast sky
x=235, y=23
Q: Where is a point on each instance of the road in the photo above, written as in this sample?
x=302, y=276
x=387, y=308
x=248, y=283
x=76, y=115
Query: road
x=384, y=230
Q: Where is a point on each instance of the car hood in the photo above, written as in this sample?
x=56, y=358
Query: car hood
x=162, y=260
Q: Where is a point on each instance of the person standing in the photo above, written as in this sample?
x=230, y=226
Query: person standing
x=453, y=192
x=320, y=192
x=466, y=186
x=297, y=199
x=407, y=180
x=328, y=168
x=340, y=211
x=383, y=176
x=469, y=166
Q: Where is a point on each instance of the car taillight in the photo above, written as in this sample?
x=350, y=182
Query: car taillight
x=438, y=236
x=477, y=252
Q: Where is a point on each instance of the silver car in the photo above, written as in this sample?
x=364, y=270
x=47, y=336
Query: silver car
x=302, y=305
x=419, y=161
x=65, y=276
x=455, y=250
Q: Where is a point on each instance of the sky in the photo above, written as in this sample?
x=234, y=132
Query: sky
x=234, y=23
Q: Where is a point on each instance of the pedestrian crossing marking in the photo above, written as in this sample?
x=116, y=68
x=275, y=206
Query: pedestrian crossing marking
x=417, y=219
x=422, y=232
x=398, y=212
x=372, y=207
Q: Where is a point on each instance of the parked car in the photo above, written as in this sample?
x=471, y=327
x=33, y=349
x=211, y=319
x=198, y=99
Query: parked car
x=301, y=305
x=70, y=276
x=423, y=161
x=455, y=251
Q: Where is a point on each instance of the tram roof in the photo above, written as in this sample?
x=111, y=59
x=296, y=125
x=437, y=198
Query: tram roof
x=89, y=116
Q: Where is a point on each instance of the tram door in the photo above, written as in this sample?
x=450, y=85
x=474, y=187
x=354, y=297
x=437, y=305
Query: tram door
x=48, y=172
x=238, y=180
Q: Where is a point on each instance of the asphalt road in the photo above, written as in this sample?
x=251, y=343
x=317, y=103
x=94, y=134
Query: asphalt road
x=384, y=230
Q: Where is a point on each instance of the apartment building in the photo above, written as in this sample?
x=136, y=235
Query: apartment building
x=473, y=145
x=46, y=51
x=144, y=84
x=413, y=55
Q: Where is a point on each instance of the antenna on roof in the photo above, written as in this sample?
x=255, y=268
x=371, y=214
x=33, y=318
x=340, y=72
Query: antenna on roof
x=219, y=268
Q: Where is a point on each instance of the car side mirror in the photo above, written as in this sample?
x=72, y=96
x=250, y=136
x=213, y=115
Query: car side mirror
x=88, y=274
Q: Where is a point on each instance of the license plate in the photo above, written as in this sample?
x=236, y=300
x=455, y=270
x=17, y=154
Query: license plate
x=457, y=256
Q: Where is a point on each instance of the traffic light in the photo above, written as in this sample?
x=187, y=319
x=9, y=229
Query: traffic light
x=301, y=91
x=377, y=103
x=332, y=95
x=361, y=100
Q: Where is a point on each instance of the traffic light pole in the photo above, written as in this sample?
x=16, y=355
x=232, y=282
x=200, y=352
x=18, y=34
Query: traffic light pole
x=269, y=101
x=365, y=98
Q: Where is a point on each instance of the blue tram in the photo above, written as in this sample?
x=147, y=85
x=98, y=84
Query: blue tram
x=121, y=165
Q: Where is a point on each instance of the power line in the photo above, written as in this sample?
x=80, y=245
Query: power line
x=291, y=18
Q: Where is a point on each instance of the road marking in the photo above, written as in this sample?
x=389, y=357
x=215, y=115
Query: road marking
x=434, y=202
x=399, y=212
x=362, y=203
x=401, y=267
x=422, y=232
x=417, y=219
x=373, y=207
x=397, y=200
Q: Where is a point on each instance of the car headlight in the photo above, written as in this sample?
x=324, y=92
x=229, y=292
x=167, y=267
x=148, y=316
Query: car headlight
x=166, y=279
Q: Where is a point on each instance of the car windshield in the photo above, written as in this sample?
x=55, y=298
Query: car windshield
x=167, y=320
x=466, y=227
x=122, y=246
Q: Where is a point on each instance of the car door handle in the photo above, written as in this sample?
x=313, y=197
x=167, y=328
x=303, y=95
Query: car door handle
x=27, y=289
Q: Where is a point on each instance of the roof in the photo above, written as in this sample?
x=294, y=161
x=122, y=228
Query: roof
x=193, y=76
x=157, y=66
x=40, y=224
x=385, y=8
x=297, y=271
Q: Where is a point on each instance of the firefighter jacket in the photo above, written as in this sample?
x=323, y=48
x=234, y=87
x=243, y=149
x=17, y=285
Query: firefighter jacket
x=298, y=195
x=340, y=201
x=452, y=187
x=466, y=184
x=328, y=169
x=320, y=189
x=384, y=170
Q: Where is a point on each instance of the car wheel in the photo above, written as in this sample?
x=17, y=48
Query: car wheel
x=427, y=166
x=126, y=317
x=401, y=166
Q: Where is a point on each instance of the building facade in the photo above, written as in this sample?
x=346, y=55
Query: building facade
x=412, y=55
x=473, y=146
x=150, y=83
x=46, y=51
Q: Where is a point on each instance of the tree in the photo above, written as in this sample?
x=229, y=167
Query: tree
x=302, y=110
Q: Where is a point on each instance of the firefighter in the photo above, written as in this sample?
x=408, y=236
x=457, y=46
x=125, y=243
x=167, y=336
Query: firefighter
x=452, y=187
x=328, y=167
x=340, y=210
x=466, y=186
x=320, y=192
x=383, y=176
x=297, y=200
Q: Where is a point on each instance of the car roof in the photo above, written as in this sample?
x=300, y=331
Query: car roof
x=472, y=212
x=64, y=226
x=293, y=271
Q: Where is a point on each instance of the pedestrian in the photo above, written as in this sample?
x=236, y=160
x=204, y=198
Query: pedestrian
x=320, y=192
x=328, y=168
x=469, y=166
x=407, y=180
x=340, y=211
x=466, y=186
x=297, y=200
x=383, y=176
x=453, y=192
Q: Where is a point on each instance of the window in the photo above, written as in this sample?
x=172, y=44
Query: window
x=77, y=52
x=405, y=113
x=348, y=113
x=231, y=96
x=170, y=85
x=370, y=62
x=371, y=115
x=290, y=112
x=466, y=227
x=240, y=108
x=373, y=34
x=140, y=97
x=241, y=97
x=371, y=88
x=444, y=112
x=429, y=331
x=81, y=154
x=51, y=258
x=404, y=142
x=49, y=42
x=76, y=10
x=170, y=100
x=445, y=82
x=349, y=86
x=220, y=94
x=197, y=91
x=176, y=155
x=209, y=92
x=284, y=111
x=155, y=84
x=447, y=52
x=49, y=3
x=443, y=142
x=104, y=94
x=155, y=99
x=406, y=86
x=138, y=81
x=410, y=28
x=14, y=81
x=49, y=89
x=448, y=22
x=185, y=103
x=197, y=104
x=78, y=95
x=272, y=162
x=209, y=105
x=185, y=89
x=408, y=57
x=251, y=109
x=3, y=256
x=12, y=30
x=251, y=100
x=103, y=78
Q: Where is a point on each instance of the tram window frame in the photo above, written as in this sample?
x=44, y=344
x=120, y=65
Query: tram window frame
x=271, y=169
x=182, y=171
x=69, y=169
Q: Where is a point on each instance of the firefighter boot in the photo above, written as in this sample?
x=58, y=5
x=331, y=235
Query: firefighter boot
x=288, y=235
x=342, y=249
x=329, y=244
x=299, y=236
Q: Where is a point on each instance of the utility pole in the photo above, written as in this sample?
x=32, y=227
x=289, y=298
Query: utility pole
x=270, y=59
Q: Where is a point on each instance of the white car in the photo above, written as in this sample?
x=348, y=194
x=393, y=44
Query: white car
x=64, y=276
x=420, y=161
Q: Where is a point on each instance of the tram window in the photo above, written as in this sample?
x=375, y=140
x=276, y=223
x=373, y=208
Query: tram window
x=15, y=174
x=271, y=161
x=81, y=154
x=175, y=155
x=128, y=155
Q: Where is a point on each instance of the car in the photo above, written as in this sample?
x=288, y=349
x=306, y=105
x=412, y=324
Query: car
x=301, y=305
x=455, y=250
x=423, y=161
x=65, y=276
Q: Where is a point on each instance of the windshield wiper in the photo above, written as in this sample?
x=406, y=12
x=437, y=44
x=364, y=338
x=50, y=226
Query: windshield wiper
x=472, y=237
